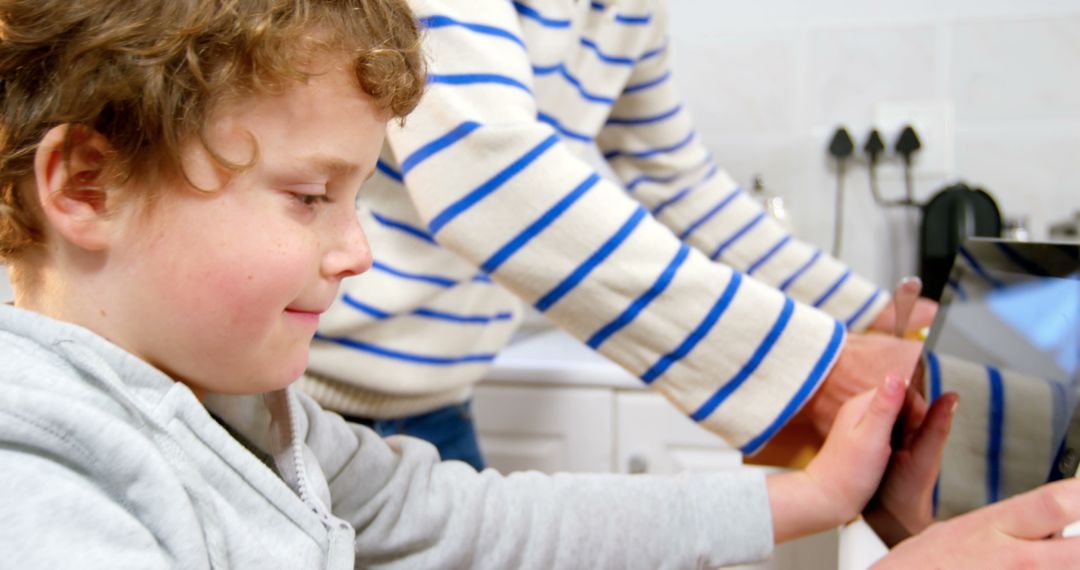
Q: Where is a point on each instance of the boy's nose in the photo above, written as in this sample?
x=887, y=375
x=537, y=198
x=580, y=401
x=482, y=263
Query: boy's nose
x=351, y=254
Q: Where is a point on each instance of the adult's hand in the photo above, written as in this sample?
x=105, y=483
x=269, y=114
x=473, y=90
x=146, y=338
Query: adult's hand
x=921, y=317
x=863, y=362
x=903, y=505
x=1009, y=534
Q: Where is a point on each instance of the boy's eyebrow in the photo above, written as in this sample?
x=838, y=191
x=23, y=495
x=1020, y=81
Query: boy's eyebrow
x=331, y=166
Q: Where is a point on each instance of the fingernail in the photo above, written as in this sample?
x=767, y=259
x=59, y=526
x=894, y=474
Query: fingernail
x=893, y=384
x=952, y=408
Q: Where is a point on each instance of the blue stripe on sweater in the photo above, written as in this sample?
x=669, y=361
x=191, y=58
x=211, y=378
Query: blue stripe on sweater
x=519, y=241
x=365, y=308
x=647, y=84
x=653, y=52
x=804, y=393
x=682, y=194
x=642, y=301
x=802, y=269
x=574, y=81
x=862, y=308
x=609, y=59
x=493, y=184
x=426, y=313
x=434, y=147
x=958, y=289
x=648, y=153
x=565, y=132
x=462, y=319
x=736, y=236
x=934, y=371
x=1021, y=261
x=477, y=79
x=996, y=424
x=631, y=20
x=445, y=282
x=697, y=334
x=440, y=21
x=402, y=227
x=539, y=18
x=647, y=119
x=389, y=171
x=407, y=356
x=633, y=184
x=751, y=365
x=641, y=20
x=708, y=215
x=979, y=270
x=592, y=262
x=768, y=254
x=935, y=376
x=667, y=178
x=833, y=288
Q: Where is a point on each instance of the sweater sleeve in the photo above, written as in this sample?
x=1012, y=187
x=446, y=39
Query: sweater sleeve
x=411, y=510
x=650, y=142
x=58, y=516
x=496, y=186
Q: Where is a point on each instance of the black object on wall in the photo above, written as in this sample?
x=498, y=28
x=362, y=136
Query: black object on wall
x=953, y=214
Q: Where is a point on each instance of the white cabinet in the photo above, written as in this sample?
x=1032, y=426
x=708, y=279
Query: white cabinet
x=549, y=430
x=651, y=436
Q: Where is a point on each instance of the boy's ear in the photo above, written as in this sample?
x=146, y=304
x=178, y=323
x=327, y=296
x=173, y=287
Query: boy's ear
x=72, y=193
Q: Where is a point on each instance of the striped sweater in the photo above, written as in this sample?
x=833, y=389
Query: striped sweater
x=487, y=196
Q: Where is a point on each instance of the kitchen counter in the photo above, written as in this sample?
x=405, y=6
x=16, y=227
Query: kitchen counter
x=549, y=356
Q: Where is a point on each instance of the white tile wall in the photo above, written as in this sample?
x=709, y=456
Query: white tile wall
x=1017, y=71
x=768, y=82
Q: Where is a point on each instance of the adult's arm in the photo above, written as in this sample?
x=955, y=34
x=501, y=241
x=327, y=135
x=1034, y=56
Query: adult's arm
x=497, y=186
x=651, y=143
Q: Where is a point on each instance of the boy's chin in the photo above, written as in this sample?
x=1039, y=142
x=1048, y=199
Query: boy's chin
x=268, y=375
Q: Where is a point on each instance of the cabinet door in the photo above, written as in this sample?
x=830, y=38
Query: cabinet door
x=546, y=429
x=653, y=437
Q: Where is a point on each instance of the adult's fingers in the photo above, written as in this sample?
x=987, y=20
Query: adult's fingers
x=877, y=423
x=1054, y=553
x=929, y=441
x=911, y=418
x=1039, y=513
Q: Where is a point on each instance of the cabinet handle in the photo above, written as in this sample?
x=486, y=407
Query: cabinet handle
x=637, y=464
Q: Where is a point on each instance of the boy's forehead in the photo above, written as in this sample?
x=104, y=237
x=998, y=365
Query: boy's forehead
x=321, y=123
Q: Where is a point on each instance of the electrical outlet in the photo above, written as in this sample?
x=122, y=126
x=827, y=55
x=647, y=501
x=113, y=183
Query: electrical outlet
x=933, y=122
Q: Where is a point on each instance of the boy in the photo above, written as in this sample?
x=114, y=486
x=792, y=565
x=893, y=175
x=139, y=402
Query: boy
x=177, y=209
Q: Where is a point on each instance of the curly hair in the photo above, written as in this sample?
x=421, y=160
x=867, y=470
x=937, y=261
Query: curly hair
x=147, y=74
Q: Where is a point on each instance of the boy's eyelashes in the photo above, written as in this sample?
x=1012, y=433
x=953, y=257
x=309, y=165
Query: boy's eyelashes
x=310, y=200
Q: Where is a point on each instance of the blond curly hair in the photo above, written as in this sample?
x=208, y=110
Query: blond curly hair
x=147, y=74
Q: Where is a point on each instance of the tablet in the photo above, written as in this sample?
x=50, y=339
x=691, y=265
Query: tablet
x=1007, y=339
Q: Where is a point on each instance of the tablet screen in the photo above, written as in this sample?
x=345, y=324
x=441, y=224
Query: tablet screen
x=1007, y=339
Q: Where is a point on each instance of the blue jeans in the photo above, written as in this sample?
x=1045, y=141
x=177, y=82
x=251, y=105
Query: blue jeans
x=449, y=429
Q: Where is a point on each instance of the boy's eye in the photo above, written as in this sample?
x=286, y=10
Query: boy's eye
x=309, y=200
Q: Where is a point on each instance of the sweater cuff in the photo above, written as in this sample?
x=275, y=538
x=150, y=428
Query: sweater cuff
x=773, y=382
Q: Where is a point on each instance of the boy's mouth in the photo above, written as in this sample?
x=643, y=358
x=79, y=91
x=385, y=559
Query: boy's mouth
x=306, y=316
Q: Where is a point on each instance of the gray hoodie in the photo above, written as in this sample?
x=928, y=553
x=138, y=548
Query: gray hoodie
x=105, y=462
